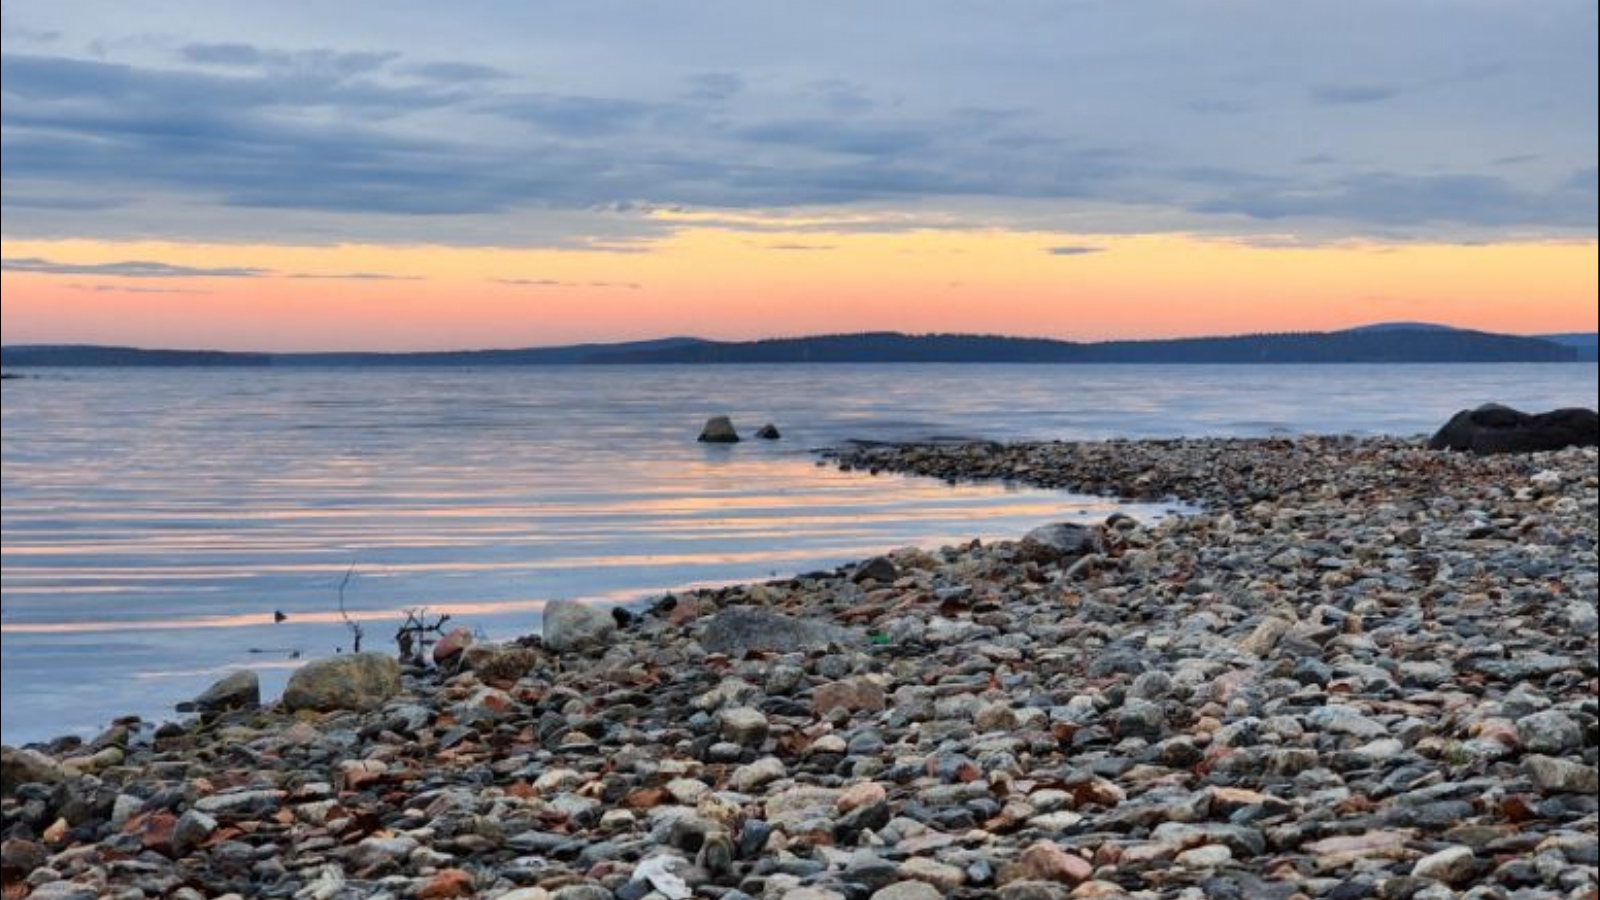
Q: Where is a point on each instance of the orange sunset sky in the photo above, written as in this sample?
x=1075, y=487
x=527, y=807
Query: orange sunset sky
x=239, y=177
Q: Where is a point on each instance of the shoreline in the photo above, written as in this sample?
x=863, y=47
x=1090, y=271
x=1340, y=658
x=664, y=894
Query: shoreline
x=1357, y=661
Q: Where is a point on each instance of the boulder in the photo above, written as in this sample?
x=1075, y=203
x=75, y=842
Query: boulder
x=571, y=625
x=739, y=630
x=878, y=568
x=719, y=430
x=357, y=681
x=450, y=647
x=1059, y=542
x=1500, y=429
x=768, y=432
x=238, y=690
x=20, y=767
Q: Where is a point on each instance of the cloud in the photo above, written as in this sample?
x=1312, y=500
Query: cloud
x=557, y=283
x=350, y=276
x=799, y=248
x=1394, y=199
x=1073, y=250
x=456, y=72
x=132, y=289
x=126, y=269
x=1351, y=94
x=329, y=63
x=715, y=86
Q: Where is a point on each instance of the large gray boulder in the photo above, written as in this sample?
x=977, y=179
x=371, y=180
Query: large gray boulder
x=1060, y=542
x=358, y=681
x=739, y=630
x=22, y=766
x=238, y=690
x=570, y=625
x=719, y=430
x=1493, y=428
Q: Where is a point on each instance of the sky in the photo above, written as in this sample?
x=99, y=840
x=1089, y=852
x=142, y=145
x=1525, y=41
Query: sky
x=410, y=175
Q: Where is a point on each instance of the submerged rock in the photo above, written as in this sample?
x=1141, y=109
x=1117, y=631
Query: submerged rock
x=768, y=432
x=719, y=430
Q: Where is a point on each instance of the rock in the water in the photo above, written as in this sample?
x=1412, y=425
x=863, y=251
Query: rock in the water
x=1500, y=429
x=571, y=625
x=719, y=430
x=768, y=432
x=20, y=767
x=1059, y=542
x=739, y=630
x=239, y=690
x=358, y=681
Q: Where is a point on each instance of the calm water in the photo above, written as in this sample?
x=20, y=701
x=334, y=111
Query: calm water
x=154, y=520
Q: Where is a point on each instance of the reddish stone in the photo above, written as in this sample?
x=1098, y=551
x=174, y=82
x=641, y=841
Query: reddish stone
x=853, y=694
x=859, y=795
x=452, y=645
x=448, y=884
x=1045, y=861
x=154, y=831
x=686, y=611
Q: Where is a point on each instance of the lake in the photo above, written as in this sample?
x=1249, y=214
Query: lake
x=154, y=520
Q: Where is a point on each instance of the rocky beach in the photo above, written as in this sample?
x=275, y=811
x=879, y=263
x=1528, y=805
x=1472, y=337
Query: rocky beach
x=1355, y=668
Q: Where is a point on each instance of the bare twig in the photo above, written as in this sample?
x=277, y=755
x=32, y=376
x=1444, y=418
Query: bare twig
x=355, y=628
x=414, y=638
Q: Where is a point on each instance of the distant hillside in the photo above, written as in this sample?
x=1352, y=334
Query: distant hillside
x=1587, y=344
x=74, y=355
x=1364, y=346
x=1381, y=344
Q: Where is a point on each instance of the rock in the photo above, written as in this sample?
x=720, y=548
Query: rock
x=20, y=767
x=1499, y=429
x=447, y=885
x=946, y=878
x=739, y=630
x=452, y=646
x=1209, y=856
x=768, y=432
x=499, y=662
x=355, y=681
x=908, y=890
x=719, y=430
x=1452, y=865
x=1265, y=636
x=192, y=829
x=743, y=725
x=878, y=568
x=1059, y=542
x=1550, y=732
x=747, y=779
x=1036, y=890
x=851, y=694
x=571, y=625
x=1045, y=861
x=237, y=690
x=22, y=856
x=856, y=796
x=1561, y=776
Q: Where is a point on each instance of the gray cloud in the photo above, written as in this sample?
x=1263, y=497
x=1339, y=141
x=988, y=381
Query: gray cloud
x=126, y=269
x=132, y=289
x=1350, y=94
x=349, y=276
x=1073, y=250
x=1392, y=199
x=557, y=283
